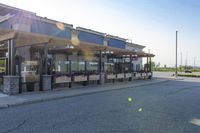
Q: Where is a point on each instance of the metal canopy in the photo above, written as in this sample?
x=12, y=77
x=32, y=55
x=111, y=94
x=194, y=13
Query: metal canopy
x=27, y=38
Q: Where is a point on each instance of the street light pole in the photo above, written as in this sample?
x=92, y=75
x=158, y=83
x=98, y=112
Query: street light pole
x=181, y=63
x=176, y=73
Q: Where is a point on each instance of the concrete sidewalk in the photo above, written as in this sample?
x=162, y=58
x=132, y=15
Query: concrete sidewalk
x=34, y=97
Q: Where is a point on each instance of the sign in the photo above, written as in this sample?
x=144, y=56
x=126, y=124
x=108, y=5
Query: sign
x=34, y=63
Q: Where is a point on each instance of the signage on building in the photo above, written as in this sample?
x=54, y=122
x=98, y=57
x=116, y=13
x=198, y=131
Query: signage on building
x=31, y=63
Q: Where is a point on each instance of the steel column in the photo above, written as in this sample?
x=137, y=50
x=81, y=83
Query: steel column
x=11, y=57
x=147, y=66
x=45, y=58
x=150, y=64
x=131, y=63
x=100, y=61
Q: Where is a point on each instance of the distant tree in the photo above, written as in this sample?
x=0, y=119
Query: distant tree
x=153, y=65
x=189, y=67
x=158, y=65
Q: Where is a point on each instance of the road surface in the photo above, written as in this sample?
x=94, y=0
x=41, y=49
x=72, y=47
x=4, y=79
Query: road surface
x=167, y=107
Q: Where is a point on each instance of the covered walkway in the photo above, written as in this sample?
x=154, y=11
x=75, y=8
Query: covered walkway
x=39, y=62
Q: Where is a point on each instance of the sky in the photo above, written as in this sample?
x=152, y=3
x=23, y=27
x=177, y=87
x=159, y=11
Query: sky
x=152, y=23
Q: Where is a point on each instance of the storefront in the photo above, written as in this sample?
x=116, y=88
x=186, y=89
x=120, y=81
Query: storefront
x=41, y=62
x=38, y=54
x=49, y=59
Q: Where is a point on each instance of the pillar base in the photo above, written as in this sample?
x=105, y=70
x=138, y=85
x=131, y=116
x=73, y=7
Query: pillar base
x=46, y=82
x=11, y=84
x=102, y=78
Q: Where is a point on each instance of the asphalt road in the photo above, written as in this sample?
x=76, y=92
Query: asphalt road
x=163, y=74
x=168, y=107
x=169, y=74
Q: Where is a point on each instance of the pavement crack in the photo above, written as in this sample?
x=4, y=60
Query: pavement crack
x=16, y=127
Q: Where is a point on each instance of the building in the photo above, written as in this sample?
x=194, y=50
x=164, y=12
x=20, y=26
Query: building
x=38, y=53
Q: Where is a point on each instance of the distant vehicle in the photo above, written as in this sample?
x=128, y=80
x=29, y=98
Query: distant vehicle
x=188, y=71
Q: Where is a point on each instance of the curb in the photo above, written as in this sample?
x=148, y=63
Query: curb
x=4, y=106
x=26, y=102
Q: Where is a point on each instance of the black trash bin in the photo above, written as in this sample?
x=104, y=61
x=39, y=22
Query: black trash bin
x=30, y=86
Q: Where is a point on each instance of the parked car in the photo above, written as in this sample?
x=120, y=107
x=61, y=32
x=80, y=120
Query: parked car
x=188, y=71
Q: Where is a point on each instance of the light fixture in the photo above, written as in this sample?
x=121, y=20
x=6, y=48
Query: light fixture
x=134, y=55
x=69, y=46
x=107, y=52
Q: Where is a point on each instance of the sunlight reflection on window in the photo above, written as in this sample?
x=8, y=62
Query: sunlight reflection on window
x=75, y=41
x=60, y=26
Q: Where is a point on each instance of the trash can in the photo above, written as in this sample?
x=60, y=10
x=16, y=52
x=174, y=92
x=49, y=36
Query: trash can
x=30, y=86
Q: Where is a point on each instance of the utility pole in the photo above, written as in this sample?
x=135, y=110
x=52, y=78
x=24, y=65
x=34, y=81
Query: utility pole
x=186, y=60
x=176, y=73
x=181, y=63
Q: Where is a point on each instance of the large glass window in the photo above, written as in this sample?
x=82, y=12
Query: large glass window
x=109, y=67
x=3, y=61
x=61, y=65
x=78, y=67
x=28, y=63
x=133, y=67
x=138, y=67
x=92, y=67
x=2, y=65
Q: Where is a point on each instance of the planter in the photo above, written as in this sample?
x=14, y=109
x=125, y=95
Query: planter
x=30, y=78
x=30, y=86
x=80, y=78
x=128, y=75
x=137, y=76
x=143, y=74
x=120, y=75
x=110, y=76
x=149, y=75
x=94, y=77
x=62, y=79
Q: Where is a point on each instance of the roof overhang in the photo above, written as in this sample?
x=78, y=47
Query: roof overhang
x=5, y=9
x=135, y=45
x=27, y=39
x=90, y=31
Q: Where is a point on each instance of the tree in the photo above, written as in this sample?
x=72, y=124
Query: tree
x=153, y=65
x=158, y=65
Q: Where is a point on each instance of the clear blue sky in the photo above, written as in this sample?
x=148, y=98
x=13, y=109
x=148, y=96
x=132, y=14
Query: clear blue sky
x=147, y=22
